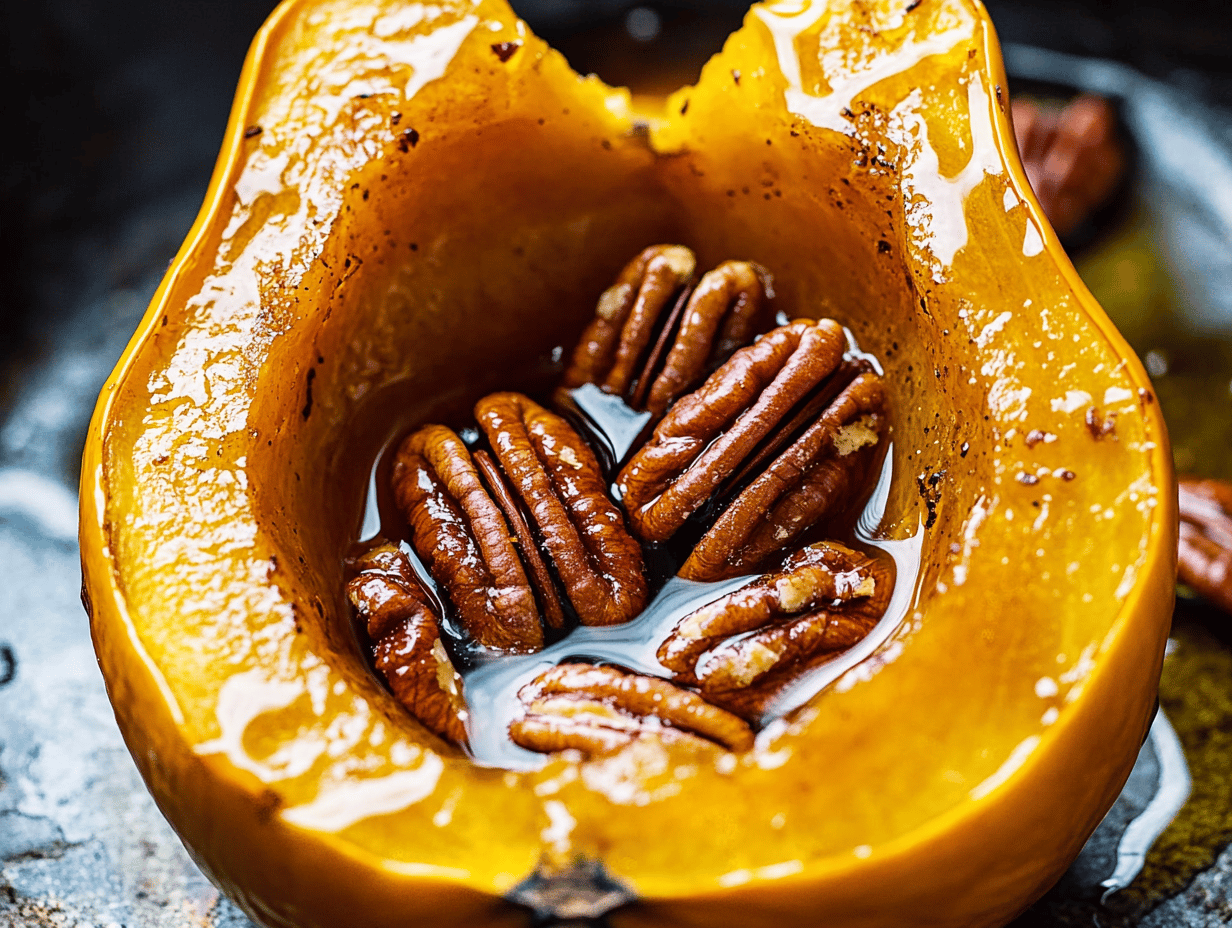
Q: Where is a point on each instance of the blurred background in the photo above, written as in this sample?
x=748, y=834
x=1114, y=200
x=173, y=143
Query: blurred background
x=115, y=113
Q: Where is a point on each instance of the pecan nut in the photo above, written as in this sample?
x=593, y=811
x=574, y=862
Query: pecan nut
x=598, y=709
x=537, y=570
x=725, y=311
x=406, y=641
x=559, y=481
x=710, y=432
x=1073, y=156
x=1204, y=560
x=621, y=351
x=736, y=446
x=742, y=648
x=626, y=318
x=463, y=537
x=820, y=473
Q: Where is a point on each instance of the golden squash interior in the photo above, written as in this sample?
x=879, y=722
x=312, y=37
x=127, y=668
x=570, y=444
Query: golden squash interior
x=421, y=216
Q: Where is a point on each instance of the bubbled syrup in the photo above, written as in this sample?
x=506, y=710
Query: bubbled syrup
x=614, y=431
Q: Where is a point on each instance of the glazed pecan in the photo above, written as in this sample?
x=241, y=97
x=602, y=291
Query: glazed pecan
x=598, y=709
x=625, y=319
x=1072, y=156
x=819, y=474
x=537, y=570
x=733, y=429
x=710, y=432
x=406, y=641
x=464, y=538
x=558, y=479
x=741, y=648
x=729, y=306
x=725, y=311
x=1205, y=554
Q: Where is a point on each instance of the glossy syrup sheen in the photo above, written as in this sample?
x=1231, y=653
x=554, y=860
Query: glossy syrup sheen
x=492, y=680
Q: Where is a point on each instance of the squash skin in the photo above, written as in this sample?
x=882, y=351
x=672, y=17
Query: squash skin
x=216, y=498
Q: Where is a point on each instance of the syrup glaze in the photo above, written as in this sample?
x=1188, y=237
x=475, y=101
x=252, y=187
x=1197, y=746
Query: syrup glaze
x=614, y=430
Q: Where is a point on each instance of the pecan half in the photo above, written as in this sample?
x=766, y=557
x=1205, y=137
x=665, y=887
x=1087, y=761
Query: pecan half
x=559, y=481
x=1205, y=553
x=735, y=428
x=725, y=311
x=598, y=709
x=537, y=570
x=406, y=641
x=649, y=346
x=463, y=537
x=742, y=648
x=710, y=432
x=625, y=319
x=1072, y=156
x=820, y=473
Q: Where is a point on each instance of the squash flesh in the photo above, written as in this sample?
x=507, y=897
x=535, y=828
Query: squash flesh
x=209, y=476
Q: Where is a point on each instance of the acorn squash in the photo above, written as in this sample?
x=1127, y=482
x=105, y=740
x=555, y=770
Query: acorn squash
x=415, y=201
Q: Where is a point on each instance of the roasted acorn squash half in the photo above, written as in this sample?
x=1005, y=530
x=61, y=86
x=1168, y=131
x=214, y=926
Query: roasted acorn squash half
x=413, y=199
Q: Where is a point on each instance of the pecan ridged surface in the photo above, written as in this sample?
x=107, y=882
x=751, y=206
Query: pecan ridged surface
x=464, y=538
x=1204, y=560
x=536, y=568
x=649, y=345
x=792, y=378
x=819, y=473
x=725, y=311
x=739, y=648
x=598, y=709
x=559, y=481
x=407, y=645
x=710, y=432
x=627, y=318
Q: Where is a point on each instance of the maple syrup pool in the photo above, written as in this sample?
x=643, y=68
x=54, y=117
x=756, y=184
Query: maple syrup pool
x=491, y=681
